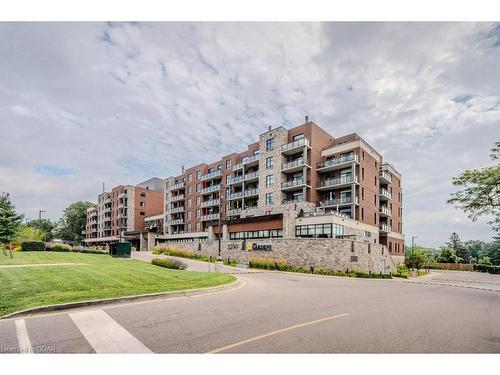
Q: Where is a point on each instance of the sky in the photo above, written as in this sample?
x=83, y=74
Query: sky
x=87, y=103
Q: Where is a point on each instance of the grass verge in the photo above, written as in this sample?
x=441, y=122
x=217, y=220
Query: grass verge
x=102, y=277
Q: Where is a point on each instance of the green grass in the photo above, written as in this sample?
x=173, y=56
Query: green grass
x=100, y=277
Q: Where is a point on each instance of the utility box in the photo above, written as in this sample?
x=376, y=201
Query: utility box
x=120, y=249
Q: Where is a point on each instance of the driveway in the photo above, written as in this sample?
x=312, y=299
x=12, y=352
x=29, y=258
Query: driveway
x=276, y=312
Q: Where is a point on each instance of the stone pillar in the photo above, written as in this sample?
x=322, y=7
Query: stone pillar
x=225, y=232
x=151, y=241
x=210, y=233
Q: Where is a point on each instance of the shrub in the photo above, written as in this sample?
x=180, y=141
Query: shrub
x=268, y=263
x=169, y=263
x=158, y=250
x=487, y=268
x=61, y=247
x=33, y=246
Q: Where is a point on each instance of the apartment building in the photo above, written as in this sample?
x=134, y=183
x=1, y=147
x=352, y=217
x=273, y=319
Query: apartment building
x=121, y=213
x=300, y=182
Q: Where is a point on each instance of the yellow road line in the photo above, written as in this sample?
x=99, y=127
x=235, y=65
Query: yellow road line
x=224, y=348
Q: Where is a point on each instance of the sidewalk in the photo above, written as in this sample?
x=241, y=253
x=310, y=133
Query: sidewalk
x=192, y=265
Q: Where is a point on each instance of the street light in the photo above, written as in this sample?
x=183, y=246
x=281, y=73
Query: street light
x=412, y=248
x=40, y=220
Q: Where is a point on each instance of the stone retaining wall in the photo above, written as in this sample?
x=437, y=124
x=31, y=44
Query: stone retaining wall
x=325, y=253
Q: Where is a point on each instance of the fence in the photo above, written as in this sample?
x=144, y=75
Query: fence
x=450, y=266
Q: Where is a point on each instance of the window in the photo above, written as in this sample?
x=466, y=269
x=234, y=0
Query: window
x=362, y=155
x=198, y=200
x=198, y=188
x=190, y=177
x=375, y=180
x=189, y=202
x=269, y=199
x=269, y=144
x=273, y=233
x=142, y=213
x=189, y=190
x=362, y=173
x=269, y=180
x=269, y=162
x=375, y=199
x=319, y=230
x=228, y=179
x=189, y=215
x=362, y=193
x=143, y=204
x=375, y=218
x=229, y=164
x=219, y=167
x=297, y=137
x=198, y=213
x=362, y=213
x=189, y=227
x=198, y=227
x=143, y=194
x=198, y=175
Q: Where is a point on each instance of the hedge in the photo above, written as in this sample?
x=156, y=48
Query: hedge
x=169, y=263
x=33, y=246
x=487, y=268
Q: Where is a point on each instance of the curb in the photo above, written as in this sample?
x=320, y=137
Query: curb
x=136, y=298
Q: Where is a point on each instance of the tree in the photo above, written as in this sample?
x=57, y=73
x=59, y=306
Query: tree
x=459, y=248
x=485, y=260
x=492, y=250
x=45, y=225
x=481, y=193
x=447, y=255
x=9, y=219
x=71, y=225
x=475, y=247
x=415, y=258
x=26, y=233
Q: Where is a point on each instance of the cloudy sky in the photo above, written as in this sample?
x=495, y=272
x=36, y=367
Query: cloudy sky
x=86, y=103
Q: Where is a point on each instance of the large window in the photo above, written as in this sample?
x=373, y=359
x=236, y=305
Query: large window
x=269, y=144
x=269, y=180
x=269, y=199
x=269, y=162
x=319, y=230
x=229, y=163
x=273, y=233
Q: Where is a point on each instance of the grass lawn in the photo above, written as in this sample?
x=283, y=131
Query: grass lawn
x=99, y=277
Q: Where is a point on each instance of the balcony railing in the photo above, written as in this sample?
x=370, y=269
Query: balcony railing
x=211, y=175
x=176, y=198
x=237, y=166
x=250, y=176
x=331, y=182
x=210, y=217
x=385, y=193
x=385, y=210
x=294, y=200
x=210, y=203
x=234, y=211
x=384, y=175
x=211, y=189
x=296, y=144
x=250, y=159
x=122, y=195
x=385, y=228
x=340, y=201
x=174, y=210
x=338, y=161
x=175, y=222
x=177, y=186
x=296, y=163
x=293, y=183
x=241, y=194
x=236, y=179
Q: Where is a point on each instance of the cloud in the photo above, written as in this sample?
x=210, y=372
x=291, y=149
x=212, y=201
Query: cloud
x=121, y=102
x=53, y=170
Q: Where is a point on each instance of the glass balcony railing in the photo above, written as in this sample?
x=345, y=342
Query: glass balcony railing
x=337, y=161
x=296, y=144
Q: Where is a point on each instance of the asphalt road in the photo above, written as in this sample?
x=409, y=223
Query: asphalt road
x=449, y=312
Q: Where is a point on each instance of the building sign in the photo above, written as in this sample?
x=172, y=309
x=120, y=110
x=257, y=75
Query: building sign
x=259, y=246
x=233, y=246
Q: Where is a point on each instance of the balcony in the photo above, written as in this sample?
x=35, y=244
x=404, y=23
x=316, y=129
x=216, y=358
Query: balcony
x=237, y=167
x=243, y=194
x=211, y=175
x=211, y=189
x=122, y=215
x=210, y=203
x=335, y=183
x=385, y=177
x=294, y=200
x=107, y=218
x=210, y=217
x=235, y=180
x=294, y=166
x=175, y=222
x=122, y=205
x=385, y=195
x=175, y=210
x=384, y=228
x=294, y=147
x=250, y=160
x=177, y=186
x=122, y=195
x=251, y=176
x=234, y=211
x=106, y=209
x=345, y=201
x=385, y=211
x=176, y=198
x=296, y=184
x=338, y=163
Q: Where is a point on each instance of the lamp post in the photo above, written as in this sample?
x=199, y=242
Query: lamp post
x=40, y=220
x=412, y=249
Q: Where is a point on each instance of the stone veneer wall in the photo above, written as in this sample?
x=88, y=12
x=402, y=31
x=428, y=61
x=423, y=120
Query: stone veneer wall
x=325, y=253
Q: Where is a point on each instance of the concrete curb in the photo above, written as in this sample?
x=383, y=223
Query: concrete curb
x=136, y=298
